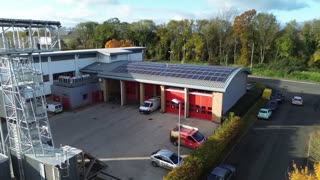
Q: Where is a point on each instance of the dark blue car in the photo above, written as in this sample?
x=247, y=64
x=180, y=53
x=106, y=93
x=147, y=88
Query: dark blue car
x=272, y=105
x=279, y=97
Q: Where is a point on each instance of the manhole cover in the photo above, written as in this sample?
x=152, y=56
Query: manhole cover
x=150, y=119
x=94, y=118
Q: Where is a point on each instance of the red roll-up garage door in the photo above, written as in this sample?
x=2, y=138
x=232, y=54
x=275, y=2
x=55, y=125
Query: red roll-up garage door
x=200, y=105
x=172, y=107
x=131, y=90
x=148, y=91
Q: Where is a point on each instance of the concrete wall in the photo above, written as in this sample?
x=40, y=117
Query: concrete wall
x=108, y=59
x=135, y=57
x=76, y=95
x=236, y=89
x=217, y=105
x=103, y=58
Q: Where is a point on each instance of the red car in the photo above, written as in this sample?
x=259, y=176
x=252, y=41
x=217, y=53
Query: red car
x=189, y=136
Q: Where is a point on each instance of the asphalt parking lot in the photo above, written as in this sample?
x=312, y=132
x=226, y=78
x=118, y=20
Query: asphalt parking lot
x=121, y=137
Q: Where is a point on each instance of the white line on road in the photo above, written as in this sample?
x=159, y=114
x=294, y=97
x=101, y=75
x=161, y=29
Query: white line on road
x=129, y=158
x=280, y=127
x=295, y=81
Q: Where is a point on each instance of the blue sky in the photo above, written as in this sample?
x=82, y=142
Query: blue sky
x=71, y=12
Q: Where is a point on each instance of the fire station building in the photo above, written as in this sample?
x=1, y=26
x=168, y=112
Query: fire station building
x=205, y=92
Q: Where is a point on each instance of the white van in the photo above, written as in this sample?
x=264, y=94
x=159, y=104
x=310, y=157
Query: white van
x=54, y=107
x=150, y=105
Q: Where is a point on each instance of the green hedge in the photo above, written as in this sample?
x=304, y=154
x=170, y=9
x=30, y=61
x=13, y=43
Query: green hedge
x=203, y=159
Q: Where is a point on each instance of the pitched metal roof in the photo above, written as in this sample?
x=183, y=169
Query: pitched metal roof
x=209, y=78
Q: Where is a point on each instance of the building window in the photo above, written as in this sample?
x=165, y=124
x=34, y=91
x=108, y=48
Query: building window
x=84, y=97
x=46, y=78
x=62, y=57
x=91, y=55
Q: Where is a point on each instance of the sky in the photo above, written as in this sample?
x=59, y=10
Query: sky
x=72, y=12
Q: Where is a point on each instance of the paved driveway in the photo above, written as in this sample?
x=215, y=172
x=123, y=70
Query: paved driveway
x=121, y=137
x=268, y=149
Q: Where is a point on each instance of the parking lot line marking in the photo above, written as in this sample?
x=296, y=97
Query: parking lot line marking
x=129, y=158
x=124, y=158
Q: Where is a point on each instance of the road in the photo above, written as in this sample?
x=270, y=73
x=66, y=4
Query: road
x=269, y=148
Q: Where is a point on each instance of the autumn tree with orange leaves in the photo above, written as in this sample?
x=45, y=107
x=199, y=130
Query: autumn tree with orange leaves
x=243, y=28
x=115, y=43
x=304, y=173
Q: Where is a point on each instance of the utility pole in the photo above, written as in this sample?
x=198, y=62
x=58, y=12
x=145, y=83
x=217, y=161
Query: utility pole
x=252, y=49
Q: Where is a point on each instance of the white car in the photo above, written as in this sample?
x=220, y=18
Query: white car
x=264, y=113
x=166, y=159
x=150, y=105
x=297, y=100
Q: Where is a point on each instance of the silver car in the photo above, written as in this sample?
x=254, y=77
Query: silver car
x=165, y=158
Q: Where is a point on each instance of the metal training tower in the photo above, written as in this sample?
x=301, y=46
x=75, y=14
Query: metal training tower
x=22, y=86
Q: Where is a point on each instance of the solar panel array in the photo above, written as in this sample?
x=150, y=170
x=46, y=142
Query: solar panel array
x=208, y=73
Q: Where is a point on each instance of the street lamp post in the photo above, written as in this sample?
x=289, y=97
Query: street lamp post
x=176, y=101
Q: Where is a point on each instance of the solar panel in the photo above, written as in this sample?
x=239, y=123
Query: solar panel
x=205, y=73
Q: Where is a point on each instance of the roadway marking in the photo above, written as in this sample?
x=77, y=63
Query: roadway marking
x=295, y=81
x=129, y=158
x=279, y=127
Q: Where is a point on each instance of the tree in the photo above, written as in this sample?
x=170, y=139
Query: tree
x=288, y=42
x=266, y=27
x=304, y=173
x=115, y=43
x=108, y=30
x=243, y=28
x=179, y=33
x=314, y=146
x=81, y=37
x=315, y=38
x=211, y=35
x=162, y=48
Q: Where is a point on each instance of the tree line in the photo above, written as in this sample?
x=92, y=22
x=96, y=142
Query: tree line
x=248, y=38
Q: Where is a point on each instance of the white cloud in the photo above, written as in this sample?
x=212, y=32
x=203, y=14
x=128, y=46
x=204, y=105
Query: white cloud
x=264, y=5
x=89, y=2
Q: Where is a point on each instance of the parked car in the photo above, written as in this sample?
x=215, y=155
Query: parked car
x=272, y=105
x=150, y=105
x=250, y=86
x=264, y=113
x=223, y=172
x=267, y=92
x=54, y=107
x=278, y=96
x=165, y=158
x=189, y=136
x=297, y=100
